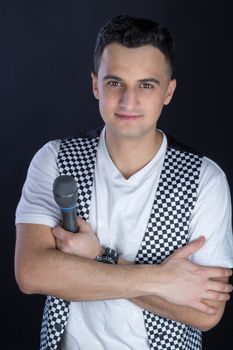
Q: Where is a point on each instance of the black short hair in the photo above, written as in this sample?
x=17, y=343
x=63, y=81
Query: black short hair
x=134, y=32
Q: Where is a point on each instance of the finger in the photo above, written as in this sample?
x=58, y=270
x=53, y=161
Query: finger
x=58, y=244
x=220, y=286
x=190, y=248
x=213, y=272
x=84, y=226
x=216, y=296
x=61, y=234
x=207, y=309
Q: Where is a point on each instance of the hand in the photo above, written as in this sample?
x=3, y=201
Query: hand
x=188, y=284
x=85, y=243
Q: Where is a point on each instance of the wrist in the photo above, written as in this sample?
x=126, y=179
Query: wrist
x=109, y=256
x=100, y=251
x=122, y=261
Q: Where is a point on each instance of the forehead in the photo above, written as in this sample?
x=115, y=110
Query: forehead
x=118, y=59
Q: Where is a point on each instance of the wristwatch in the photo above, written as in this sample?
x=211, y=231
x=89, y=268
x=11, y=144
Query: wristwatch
x=110, y=256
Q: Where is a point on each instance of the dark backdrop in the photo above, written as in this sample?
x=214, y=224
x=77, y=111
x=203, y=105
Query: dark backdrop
x=45, y=63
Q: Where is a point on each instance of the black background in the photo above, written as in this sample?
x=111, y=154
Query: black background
x=45, y=93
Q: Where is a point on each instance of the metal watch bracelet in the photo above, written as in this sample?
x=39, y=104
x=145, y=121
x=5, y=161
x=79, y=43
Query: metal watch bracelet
x=110, y=256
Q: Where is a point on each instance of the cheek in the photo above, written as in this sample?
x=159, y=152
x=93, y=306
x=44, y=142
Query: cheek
x=150, y=102
x=106, y=107
x=108, y=99
x=152, y=106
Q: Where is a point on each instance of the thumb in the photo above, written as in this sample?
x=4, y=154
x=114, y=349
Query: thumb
x=60, y=233
x=190, y=248
x=83, y=225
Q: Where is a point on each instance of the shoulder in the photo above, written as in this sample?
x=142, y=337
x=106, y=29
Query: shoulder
x=211, y=169
x=179, y=146
x=50, y=148
x=44, y=162
x=211, y=174
x=47, y=154
x=212, y=177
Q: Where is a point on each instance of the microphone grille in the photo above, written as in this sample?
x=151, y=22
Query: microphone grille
x=65, y=191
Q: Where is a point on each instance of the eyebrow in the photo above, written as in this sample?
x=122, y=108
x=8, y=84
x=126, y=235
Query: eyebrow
x=108, y=77
x=150, y=80
x=146, y=80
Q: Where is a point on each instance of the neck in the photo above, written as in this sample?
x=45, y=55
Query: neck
x=131, y=155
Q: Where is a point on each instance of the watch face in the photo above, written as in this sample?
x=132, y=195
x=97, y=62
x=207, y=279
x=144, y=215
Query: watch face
x=106, y=259
x=110, y=256
x=112, y=253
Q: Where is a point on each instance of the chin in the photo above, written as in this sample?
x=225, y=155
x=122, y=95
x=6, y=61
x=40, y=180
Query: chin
x=129, y=134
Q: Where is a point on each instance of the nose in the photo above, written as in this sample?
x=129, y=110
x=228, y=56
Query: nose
x=129, y=99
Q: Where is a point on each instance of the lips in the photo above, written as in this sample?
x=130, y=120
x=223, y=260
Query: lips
x=127, y=116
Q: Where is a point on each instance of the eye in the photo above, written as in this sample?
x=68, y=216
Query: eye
x=147, y=86
x=113, y=83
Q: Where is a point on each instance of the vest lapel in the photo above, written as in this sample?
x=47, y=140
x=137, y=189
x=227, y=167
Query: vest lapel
x=168, y=224
x=77, y=158
x=166, y=231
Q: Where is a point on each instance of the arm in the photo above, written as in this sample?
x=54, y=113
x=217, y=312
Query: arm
x=41, y=268
x=211, y=215
x=183, y=314
x=155, y=304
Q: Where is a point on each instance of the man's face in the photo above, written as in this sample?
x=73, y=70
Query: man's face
x=132, y=86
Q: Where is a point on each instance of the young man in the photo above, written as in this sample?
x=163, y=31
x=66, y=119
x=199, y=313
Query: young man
x=140, y=194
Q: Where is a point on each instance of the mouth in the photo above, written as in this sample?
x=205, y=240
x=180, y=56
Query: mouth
x=126, y=116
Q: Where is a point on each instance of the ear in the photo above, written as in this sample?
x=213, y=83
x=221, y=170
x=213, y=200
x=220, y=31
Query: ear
x=170, y=91
x=95, y=85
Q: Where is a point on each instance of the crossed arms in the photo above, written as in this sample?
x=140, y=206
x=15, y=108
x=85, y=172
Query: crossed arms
x=57, y=262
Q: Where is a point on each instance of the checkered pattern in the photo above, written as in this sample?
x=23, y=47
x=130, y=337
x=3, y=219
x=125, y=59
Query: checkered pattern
x=55, y=315
x=167, y=334
x=77, y=158
x=167, y=230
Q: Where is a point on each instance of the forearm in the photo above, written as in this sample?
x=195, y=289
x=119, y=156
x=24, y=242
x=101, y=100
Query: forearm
x=163, y=308
x=42, y=269
x=75, y=278
x=179, y=313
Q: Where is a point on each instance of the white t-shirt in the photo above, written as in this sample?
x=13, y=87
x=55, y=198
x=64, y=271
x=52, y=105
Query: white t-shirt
x=119, y=212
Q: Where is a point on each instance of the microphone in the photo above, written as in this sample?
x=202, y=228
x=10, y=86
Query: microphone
x=65, y=193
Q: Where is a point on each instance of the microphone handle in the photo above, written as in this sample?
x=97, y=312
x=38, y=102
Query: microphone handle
x=69, y=220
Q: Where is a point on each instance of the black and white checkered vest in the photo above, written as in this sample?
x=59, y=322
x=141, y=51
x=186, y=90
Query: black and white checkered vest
x=166, y=231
